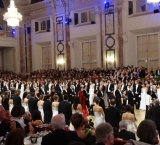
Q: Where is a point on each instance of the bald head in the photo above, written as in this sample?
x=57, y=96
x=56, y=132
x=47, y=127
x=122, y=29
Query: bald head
x=58, y=122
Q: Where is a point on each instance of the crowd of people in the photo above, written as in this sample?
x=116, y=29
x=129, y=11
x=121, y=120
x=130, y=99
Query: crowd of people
x=73, y=96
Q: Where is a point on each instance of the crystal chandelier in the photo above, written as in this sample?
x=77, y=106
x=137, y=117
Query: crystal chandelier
x=12, y=16
x=155, y=2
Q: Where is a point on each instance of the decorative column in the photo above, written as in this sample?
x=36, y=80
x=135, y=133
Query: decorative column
x=101, y=40
x=22, y=53
x=120, y=32
x=14, y=59
x=68, y=52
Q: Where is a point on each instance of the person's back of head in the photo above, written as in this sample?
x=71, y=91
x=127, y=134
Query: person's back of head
x=156, y=102
x=104, y=134
x=147, y=131
x=112, y=102
x=123, y=124
x=58, y=122
x=15, y=137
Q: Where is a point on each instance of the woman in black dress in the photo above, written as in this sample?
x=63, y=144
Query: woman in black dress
x=5, y=101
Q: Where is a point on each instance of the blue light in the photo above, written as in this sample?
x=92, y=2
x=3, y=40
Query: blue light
x=13, y=32
x=68, y=20
x=105, y=2
x=106, y=5
x=159, y=4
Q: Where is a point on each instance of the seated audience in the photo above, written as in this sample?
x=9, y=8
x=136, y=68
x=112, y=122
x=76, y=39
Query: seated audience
x=15, y=137
x=76, y=143
x=146, y=132
x=104, y=134
x=59, y=135
x=3, y=116
x=78, y=122
x=18, y=119
x=124, y=134
x=37, y=118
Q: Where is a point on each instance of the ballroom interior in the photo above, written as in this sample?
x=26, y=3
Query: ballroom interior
x=66, y=34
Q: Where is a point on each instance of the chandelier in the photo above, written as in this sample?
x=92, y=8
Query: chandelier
x=154, y=2
x=12, y=16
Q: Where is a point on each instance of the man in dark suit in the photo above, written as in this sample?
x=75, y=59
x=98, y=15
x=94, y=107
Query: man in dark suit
x=158, y=72
x=59, y=135
x=65, y=108
x=47, y=108
x=32, y=103
x=77, y=87
x=137, y=91
x=101, y=97
x=16, y=99
x=109, y=87
x=124, y=134
x=154, y=92
x=41, y=90
x=112, y=114
x=131, y=96
x=118, y=95
x=86, y=95
x=155, y=114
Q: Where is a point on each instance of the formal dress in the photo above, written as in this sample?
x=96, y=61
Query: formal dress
x=47, y=108
x=99, y=118
x=40, y=108
x=54, y=111
x=158, y=93
x=22, y=91
x=10, y=107
x=91, y=92
x=143, y=99
x=25, y=105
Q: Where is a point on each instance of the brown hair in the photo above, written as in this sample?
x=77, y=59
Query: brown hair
x=55, y=97
x=147, y=131
x=128, y=108
x=17, y=92
x=15, y=137
x=17, y=111
x=41, y=97
x=77, y=120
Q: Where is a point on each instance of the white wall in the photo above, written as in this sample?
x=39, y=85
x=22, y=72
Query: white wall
x=8, y=59
x=37, y=58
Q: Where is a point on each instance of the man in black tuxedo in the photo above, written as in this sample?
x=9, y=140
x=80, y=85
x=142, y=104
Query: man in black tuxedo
x=59, y=136
x=65, y=108
x=124, y=134
x=155, y=114
x=154, y=92
x=77, y=87
x=101, y=97
x=158, y=72
x=41, y=90
x=112, y=114
x=86, y=95
x=71, y=92
x=47, y=108
x=16, y=99
x=131, y=97
x=137, y=91
x=109, y=87
x=32, y=103
x=97, y=84
x=118, y=95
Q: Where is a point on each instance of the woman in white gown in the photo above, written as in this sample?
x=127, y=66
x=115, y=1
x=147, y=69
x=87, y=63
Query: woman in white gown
x=10, y=104
x=91, y=92
x=25, y=101
x=98, y=113
x=143, y=97
x=40, y=106
x=22, y=90
x=55, y=105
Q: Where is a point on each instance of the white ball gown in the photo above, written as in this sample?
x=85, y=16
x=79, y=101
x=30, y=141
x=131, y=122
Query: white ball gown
x=10, y=107
x=99, y=118
x=25, y=105
x=91, y=92
x=40, y=108
x=54, y=111
x=158, y=94
x=143, y=99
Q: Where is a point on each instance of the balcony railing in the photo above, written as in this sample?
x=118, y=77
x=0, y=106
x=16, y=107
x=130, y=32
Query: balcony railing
x=4, y=33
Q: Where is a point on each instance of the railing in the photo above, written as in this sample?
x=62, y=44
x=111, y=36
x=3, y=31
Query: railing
x=4, y=33
x=143, y=6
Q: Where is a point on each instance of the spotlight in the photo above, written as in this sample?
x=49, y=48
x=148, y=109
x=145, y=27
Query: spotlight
x=68, y=20
x=13, y=32
x=159, y=4
x=106, y=4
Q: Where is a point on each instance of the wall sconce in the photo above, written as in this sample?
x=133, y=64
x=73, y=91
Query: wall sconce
x=60, y=61
x=110, y=58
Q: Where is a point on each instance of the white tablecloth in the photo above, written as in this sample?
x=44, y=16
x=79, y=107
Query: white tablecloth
x=27, y=141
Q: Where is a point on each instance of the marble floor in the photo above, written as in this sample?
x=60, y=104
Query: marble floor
x=140, y=115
